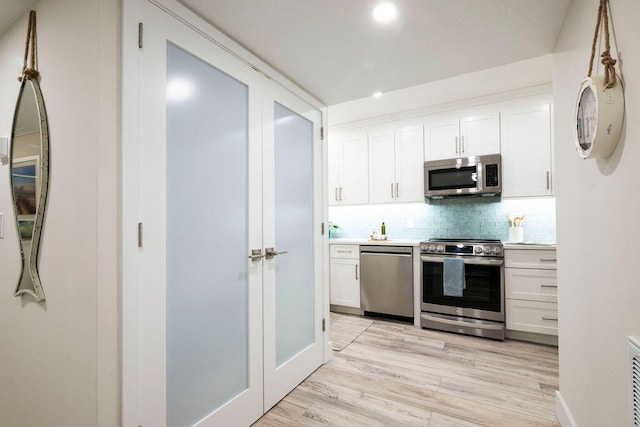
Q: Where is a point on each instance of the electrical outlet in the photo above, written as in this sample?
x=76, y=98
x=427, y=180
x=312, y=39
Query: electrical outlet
x=409, y=222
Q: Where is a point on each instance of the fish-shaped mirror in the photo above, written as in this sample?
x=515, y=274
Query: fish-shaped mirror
x=29, y=160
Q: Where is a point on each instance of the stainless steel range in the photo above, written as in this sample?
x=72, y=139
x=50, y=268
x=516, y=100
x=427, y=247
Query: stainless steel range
x=462, y=286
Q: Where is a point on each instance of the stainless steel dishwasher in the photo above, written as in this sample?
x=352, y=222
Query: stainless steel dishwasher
x=386, y=281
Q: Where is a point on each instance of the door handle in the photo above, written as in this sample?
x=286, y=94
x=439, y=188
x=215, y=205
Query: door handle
x=397, y=191
x=271, y=252
x=392, y=190
x=548, y=180
x=256, y=254
x=336, y=195
x=457, y=145
x=462, y=144
x=356, y=272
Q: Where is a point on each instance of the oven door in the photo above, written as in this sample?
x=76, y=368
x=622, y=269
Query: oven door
x=482, y=298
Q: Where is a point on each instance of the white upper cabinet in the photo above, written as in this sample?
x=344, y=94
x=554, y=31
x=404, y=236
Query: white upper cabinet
x=348, y=168
x=452, y=135
x=526, y=150
x=409, y=152
x=395, y=164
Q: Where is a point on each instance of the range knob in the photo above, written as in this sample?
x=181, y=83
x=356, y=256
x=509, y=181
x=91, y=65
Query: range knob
x=432, y=248
x=477, y=249
x=497, y=250
x=440, y=248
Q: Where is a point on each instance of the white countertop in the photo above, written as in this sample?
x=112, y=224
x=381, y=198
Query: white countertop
x=529, y=245
x=390, y=242
x=410, y=242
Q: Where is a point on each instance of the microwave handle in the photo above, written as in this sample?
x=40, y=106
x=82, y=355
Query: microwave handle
x=475, y=261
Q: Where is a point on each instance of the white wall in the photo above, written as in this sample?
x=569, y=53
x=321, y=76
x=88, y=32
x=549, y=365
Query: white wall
x=59, y=359
x=481, y=86
x=597, y=208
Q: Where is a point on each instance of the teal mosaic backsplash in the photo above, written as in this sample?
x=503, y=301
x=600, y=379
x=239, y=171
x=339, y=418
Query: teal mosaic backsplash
x=466, y=218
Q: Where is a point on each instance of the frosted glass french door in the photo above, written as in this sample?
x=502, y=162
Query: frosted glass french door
x=201, y=318
x=292, y=233
x=230, y=265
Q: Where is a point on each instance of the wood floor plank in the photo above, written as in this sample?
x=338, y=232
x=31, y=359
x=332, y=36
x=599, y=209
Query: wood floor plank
x=395, y=374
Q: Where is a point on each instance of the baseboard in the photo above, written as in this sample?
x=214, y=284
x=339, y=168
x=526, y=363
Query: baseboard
x=532, y=337
x=563, y=413
x=346, y=310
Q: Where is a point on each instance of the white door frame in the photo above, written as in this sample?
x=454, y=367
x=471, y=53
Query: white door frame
x=130, y=185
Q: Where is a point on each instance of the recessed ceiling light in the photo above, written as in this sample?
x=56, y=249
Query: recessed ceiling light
x=385, y=12
x=377, y=94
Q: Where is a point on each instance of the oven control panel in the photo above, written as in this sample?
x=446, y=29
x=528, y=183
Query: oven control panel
x=491, y=249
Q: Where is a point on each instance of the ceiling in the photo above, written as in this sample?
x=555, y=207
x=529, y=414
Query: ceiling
x=11, y=10
x=335, y=51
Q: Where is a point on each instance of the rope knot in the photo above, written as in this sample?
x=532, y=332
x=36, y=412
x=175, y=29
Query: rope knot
x=607, y=60
x=28, y=73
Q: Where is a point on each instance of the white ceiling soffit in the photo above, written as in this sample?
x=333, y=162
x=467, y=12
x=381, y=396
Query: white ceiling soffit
x=334, y=50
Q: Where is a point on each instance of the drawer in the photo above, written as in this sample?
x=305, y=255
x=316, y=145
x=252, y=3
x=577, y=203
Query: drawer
x=532, y=316
x=530, y=284
x=529, y=258
x=345, y=251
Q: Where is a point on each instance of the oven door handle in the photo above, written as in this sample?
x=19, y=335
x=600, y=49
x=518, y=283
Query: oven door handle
x=474, y=261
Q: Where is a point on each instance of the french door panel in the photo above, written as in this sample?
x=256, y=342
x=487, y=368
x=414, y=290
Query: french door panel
x=293, y=346
x=201, y=190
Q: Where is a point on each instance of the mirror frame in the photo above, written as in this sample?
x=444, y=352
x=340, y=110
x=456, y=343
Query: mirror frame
x=31, y=85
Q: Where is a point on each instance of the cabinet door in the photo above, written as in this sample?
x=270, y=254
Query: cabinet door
x=531, y=284
x=382, y=180
x=345, y=282
x=354, y=171
x=409, y=164
x=526, y=151
x=544, y=259
x=532, y=316
x=333, y=178
x=441, y=138
x=480, y=134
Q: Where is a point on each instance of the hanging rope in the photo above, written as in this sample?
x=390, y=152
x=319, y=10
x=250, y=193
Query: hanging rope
x=31, y=45
x=607, y=60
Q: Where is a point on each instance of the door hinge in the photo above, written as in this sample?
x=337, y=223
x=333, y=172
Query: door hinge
x=322, y=132
x=324, y=325
x=322, y=229
x=140, y=33
x=139, y=234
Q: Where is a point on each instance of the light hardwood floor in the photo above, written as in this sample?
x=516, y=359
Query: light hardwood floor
x=394, y=374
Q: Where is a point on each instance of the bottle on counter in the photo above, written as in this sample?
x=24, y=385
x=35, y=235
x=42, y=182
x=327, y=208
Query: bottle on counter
x=383, y=228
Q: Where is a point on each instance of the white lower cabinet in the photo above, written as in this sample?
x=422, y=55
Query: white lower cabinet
x=344, y=264
x=531, y=291
x=532, y=316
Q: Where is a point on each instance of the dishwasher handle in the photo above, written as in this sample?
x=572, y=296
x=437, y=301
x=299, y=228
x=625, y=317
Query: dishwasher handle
x=386, y=249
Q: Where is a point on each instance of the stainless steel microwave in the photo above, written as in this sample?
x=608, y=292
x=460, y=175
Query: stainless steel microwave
x=463, y=176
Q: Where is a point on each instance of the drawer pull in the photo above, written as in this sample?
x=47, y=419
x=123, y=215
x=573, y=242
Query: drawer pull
x=356, y=272
x=343, y=252
x=548, y=259
x=548, y=286
x=555, y=319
